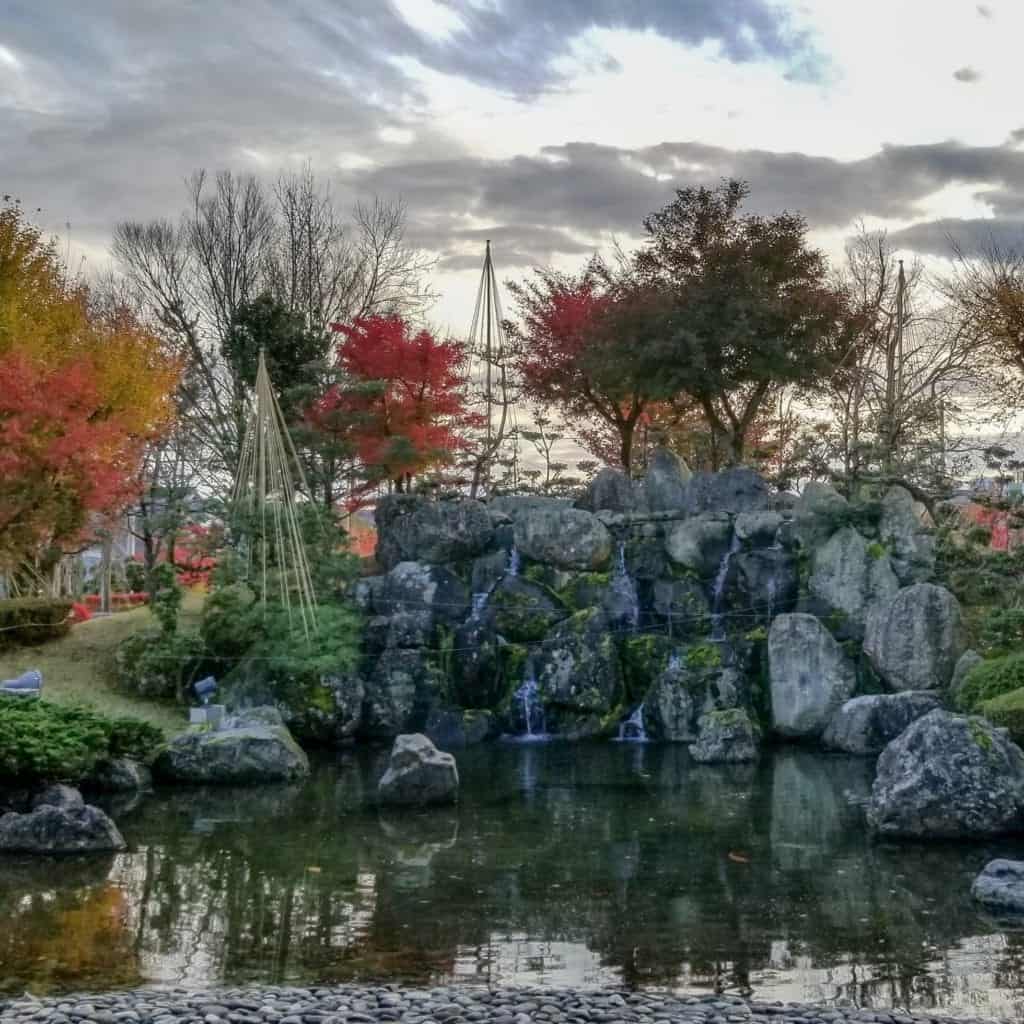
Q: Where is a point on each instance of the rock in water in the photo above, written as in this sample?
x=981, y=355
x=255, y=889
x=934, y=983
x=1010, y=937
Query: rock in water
x=251, y=748
x=915, y=639
x=726, y=737
x=59, y=822
x=121, y=775
x=865, y=725
x=1000, y=886
x=810, y=676
x=948, y=776
x=568, y=538
x=418, y=774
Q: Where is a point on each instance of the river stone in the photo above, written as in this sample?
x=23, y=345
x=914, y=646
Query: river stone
x=578, y=667
x=411, y=528
x=522, y=610
x=121, y=775
x=60, y=822
x=964, y=664
x=848, y=577
x=698, y=544
x=1000, y=886
x=610, y=491
x=730, y=490
x=252, y=747
x=418, y=774
x=915, y=639
x=903, y=528
x=430, y=589
x=726, y=737
x=664, y=484
x=810, y=676
x=683, y=693
x=864, y=725
x=948, y=777
x=757, y=529
x=567, y=538
x=818, y=513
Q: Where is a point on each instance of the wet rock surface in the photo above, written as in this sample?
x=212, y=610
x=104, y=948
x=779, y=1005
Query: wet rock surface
x=366, y=1004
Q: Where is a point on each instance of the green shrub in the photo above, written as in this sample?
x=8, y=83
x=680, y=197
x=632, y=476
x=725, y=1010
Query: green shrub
x=232, y=623
x=33, y=620
x=1002, y=629
x=44, y=742
x=990, y=679
x=158, y=665
x=1006, y=711
x=165, y=600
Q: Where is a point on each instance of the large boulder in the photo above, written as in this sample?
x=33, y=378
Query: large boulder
x=121, y=775
x=610, y=491
x=810, y=676
x=848, y=578
x=578, y=666
x=948, y=776
x=418, y=774
x=522, y=610
x=567, y=538
x=681, y=606
x=698, y=544
x=411, y=528
x=692, y=686
x=250, y=748
x=400, y=689
x=915, y=639
x=761, y=584
x=726, y=737
x=865, y=725
x=59, y=822
x=731, y=490
x=428, y=590
x=904, y=529
x=1000, y=886
x=664, y=484
x=818, y=513
x=758, y=529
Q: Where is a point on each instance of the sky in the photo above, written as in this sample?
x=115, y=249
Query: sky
x=552, y=127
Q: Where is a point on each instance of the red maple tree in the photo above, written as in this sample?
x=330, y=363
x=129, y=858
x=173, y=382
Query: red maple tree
x=401, y=403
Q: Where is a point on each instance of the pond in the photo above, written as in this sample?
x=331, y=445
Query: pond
x=578, y=865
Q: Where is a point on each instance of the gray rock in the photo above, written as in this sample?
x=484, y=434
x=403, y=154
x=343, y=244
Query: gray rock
x=60, y=822
x=522, y=610
x=818, y=513
x=699, y=543
x=726, y=737
x=761, y=584
x=121, y=775
x=682, y=606
x=757, y=529
x=865, y=725
x=610, y=491
x=903, y=528
x=400, y=690
x=1000, y=886
x=251, y=748
x=454, y=728
x=567, y=538
x=664, y=485
x=948, y=776
x=411, y=528
x=915, y=639
x=515, y=506
x=682, y=694
x=418, y=774
x=964, y=664
x=849, y=577
x=809, y=673
x=431, y=589
x=731, y=490
x=578, y=665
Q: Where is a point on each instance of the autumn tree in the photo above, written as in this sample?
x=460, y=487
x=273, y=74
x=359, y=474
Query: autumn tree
x=577, y=345
x=748, y=308
x=400, y=401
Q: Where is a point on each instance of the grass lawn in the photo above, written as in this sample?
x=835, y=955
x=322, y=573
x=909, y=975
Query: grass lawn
x=79, y=668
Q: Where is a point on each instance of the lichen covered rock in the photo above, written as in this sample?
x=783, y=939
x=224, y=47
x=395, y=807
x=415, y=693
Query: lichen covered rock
x=418, y=774
x=60, y=822
x=1000, y=886
x=865, y=725
x=567, y=538
x=411, y=528
x=726, y=737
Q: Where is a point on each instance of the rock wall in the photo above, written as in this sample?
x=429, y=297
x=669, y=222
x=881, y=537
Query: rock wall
x=647, y=606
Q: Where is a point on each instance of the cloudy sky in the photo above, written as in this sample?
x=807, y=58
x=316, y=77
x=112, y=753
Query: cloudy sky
x=550, y=126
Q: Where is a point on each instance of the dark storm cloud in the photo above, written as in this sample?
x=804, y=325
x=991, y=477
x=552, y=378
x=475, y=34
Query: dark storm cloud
x=970, y=235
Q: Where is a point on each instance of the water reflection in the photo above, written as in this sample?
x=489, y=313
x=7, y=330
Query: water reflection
x=589, y=864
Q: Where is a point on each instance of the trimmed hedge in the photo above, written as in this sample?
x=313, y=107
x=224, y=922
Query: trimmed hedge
x=44, y=742
x=1007, y=711
x=25, y=621
x=990, y=679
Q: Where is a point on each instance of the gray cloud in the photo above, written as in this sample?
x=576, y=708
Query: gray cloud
x=971, y=235
x=967, y=74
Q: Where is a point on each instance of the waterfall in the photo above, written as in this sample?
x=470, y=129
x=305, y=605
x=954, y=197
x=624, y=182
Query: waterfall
x=533, y=711
x=631, y=730
x=479, y=602
x=512, y=569
x=675, y=662
x=481, y=597
x=718, y=590
x=625, y=589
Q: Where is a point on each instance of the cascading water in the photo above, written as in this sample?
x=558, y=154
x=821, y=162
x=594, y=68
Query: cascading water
x=624, y=589
x=479, y=600
x=718, y=590
x=631, y=730
x=478, y=605
x=528, y=697
x=512, y=569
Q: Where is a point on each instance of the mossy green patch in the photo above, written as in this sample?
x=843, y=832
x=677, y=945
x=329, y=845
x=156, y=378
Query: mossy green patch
x=1007, y=712
x=704, y=655
x=991, y=678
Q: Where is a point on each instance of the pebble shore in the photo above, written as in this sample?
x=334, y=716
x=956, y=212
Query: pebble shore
x=360, y=1004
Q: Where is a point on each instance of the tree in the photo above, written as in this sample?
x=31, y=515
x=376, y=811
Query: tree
x=579, y=343
x=748, y=306
x=400, y=403
x=82, y=389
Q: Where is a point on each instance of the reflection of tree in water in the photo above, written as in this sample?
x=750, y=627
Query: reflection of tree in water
x=559, y=860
